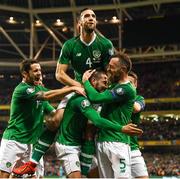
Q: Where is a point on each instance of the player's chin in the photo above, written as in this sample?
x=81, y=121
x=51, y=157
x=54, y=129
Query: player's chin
x=90, y=30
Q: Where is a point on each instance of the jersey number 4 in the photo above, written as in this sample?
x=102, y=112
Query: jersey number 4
x=89, y=62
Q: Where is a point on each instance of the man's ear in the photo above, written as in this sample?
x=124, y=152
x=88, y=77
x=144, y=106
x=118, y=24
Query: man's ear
x=124, y=68
x=79, y=22
x=93, y=81
x=24, y=74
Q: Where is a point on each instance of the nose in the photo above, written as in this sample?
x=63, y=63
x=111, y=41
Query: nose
x=39, y=72
x=91, y=17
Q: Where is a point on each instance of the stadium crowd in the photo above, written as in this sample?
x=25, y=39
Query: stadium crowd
x=158, y=81
x=52, y=166
x=164, y=129
x=165, y=164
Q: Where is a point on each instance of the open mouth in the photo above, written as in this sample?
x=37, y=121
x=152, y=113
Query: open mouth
x=91, y=23
x=37, y=79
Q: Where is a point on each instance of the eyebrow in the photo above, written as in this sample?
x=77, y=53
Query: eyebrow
x=88, y=14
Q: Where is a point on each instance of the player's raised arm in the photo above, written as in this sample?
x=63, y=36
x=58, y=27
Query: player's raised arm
x=63, y=77
x=59, y=93
x=96, y=96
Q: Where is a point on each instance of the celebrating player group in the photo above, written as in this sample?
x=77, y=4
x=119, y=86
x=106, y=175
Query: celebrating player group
x=94, y=127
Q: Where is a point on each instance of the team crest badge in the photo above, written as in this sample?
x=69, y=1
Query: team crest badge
x=8, y=164
x=30, y=90
x=96, y=53
x=85, y=103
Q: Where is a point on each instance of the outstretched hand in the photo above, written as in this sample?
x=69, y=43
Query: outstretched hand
x=131, y=129
x=79, y=90
x=87, y=74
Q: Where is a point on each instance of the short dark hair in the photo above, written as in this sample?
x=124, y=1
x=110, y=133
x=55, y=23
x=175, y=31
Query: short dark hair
x=80, y=13
x=25, y=65
x=97, y=74
x=123, y=60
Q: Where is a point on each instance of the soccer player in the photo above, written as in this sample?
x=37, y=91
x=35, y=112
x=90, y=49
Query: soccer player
x=26, y=116
x=73, y=125
x=113, y=148
x=88, y=50
x=138, y=166
x=77, y=112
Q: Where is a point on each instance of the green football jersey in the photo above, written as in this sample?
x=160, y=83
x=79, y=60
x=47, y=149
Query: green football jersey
x=118, y=106
x=136, y=120
x=84, y=56
x=26, y=114
x=77, y=112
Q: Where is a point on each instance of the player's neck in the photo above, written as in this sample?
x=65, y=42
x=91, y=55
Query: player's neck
x=87, y=37
x=27, y=81
x=124, y=79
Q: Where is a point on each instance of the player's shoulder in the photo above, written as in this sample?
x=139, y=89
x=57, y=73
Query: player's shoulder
x=103, y=39
x=79, y=101
x=23, y=89
x=125, y=88
x=126, y=85
x=22, y=86
x=139, y=97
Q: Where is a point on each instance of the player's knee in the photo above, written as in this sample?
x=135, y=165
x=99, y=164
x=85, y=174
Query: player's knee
x=76, y=174
x=143, y=177
x=4, y=174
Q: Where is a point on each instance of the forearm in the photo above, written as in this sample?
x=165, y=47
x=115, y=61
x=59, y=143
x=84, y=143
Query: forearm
x=66, y=79
x=107, y=125
x=95, y=96
x=101, y=122
x=54, y=94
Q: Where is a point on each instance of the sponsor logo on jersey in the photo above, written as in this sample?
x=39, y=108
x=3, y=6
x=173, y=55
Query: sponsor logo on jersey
x=8, y=164
x=96, y=53
x=78, y=54
x=30, y=90
x=85, y=103
x=120, y=91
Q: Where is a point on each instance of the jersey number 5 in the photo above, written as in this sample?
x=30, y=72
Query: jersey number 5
x=122, y=165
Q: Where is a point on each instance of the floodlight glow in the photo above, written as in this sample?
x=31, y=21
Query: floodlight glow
x=59, y=23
